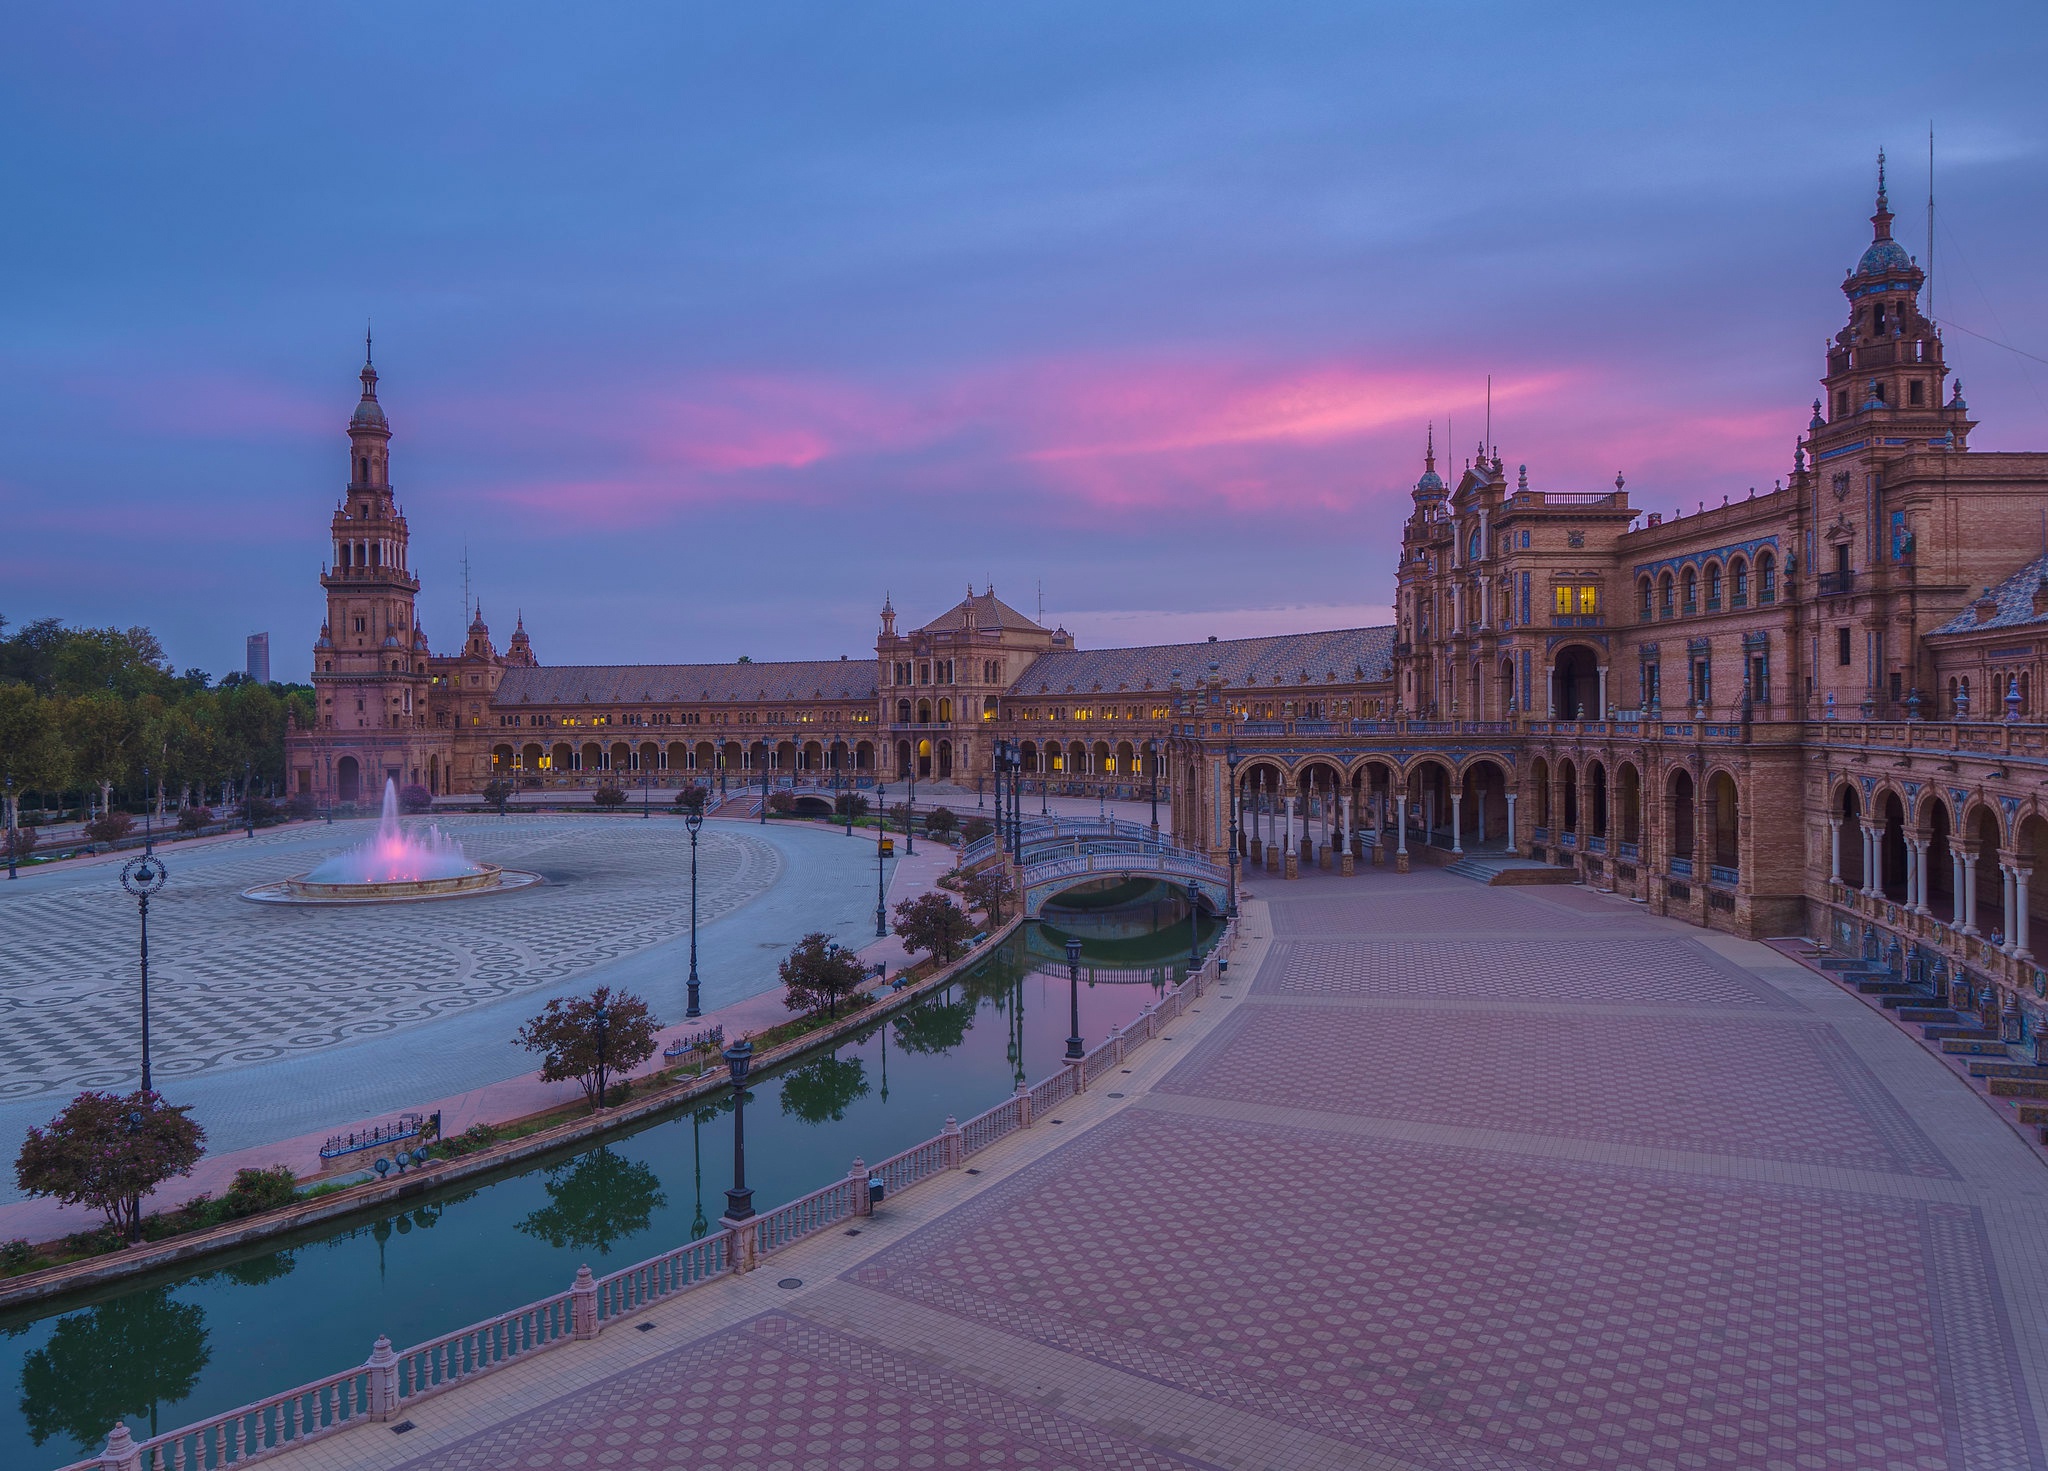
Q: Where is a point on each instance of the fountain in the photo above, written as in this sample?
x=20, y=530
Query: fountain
x=393, y=864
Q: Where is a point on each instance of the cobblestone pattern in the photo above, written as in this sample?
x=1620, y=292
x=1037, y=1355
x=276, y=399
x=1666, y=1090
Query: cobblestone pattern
x=1783, y=1090
x=1633, y=972
x=1478, y=1311
x=780, y=1393
x=1437, y=906
x=242, y=983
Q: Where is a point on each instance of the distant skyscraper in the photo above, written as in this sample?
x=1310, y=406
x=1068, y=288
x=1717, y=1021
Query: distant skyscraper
x=259, y=657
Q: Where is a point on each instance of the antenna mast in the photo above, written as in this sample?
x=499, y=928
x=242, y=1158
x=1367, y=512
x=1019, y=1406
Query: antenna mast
x=1930, y=219
x=465, y=589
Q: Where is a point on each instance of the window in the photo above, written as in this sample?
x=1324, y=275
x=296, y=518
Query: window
x=1738, y=576
x=1643, y=587
x=1767, y=578
x=1841, y=402
x=1525, y=541
x=1692, y=591
x=1664, y=595
x=1564, y=600
x=1589, y=600
x=1842, y=647
x=1842, y=559
x=1916, y=392
x=1713, y=587
x=1877, y=320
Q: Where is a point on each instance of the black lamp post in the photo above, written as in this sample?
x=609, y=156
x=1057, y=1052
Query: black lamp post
x=739, y=1201
x=248, y=813
x=1000, y=756
x=1194, y=928
x=881, y=886
x=764, y=784
x=10, y=826
x=693, y=820
x=1231, y=755
x=604, y=1034
x=1152, y=750
x=910, y=810
x=698, y=1225
x=143, y=877
x=1075, y=1051
x=1017, y=801
x=646, y=792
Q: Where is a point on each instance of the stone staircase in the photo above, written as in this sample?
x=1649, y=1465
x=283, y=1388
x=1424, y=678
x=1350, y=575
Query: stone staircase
x=1507, y=868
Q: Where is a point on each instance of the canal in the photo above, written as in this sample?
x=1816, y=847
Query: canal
x=164, y=1350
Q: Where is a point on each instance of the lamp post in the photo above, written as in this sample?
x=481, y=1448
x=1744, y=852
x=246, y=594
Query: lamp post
x=910, y=810
x=604, y=1034
x=1000, y=755
x=698, y=1225
x=1232, y=756
x=1194, y=928
x=1017, y=801
x=693, y=820
x=764, y=784
x=10, y=826
x=1152, y=750
x=248, y=815
x=143, y=877
x=646, y=793
x=1075, y=1052
x=881, y=852
x=739, y=1201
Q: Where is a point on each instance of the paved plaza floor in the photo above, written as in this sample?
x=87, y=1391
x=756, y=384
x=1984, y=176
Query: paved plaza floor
x=1465, y=1178
x=274, y=1021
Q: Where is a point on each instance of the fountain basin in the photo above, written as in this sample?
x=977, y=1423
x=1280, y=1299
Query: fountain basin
x=488, y=879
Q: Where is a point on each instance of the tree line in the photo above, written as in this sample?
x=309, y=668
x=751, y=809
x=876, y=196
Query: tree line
x=85, y=712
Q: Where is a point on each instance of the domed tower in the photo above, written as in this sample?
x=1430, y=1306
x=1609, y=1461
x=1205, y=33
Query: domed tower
x=1430, y=492
x=520, y=651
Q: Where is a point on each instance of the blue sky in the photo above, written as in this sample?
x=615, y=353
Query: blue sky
x=703, y=327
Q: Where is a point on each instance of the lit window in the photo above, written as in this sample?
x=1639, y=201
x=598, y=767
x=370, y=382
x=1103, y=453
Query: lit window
x=1589, y=599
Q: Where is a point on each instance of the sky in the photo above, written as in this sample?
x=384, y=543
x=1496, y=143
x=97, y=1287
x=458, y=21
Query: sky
x=703, y=328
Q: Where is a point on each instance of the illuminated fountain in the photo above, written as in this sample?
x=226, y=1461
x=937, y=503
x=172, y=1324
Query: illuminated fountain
x=393, y=864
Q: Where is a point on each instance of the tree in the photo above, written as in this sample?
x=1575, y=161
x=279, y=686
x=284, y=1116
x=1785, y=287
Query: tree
x=595, y=1202
x=591, y=1038
x=782, y=803
x=974, y=829
x=932, y=923
x=497, y=790
x=100, y=734
x=126, y=1356
x=31, y=751
x=853, y=801
x=415, y=798
x=985, y=889
x=19, y=842
x=609, y=796
x=818, y=972
x=107, y=1153
x=821, y=1090
x=109, y=827
x=940, y=821
x=691, y=797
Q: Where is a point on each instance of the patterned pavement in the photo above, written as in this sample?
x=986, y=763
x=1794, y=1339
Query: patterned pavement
x=1605, y=1192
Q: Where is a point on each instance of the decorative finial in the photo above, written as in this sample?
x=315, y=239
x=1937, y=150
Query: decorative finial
x=1618, y=481
x=367, y=359
x=1522, y=482
x=1880, y=180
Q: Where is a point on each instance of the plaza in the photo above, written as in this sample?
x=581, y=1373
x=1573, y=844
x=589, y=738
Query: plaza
x=1446, y=1176
x=274, y=1022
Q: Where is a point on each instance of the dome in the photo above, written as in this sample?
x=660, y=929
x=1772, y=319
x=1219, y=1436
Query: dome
x=1883, y=257
x=368, y=413
x=1430, y=486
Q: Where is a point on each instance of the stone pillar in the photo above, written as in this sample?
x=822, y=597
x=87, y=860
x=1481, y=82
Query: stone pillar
x=950, y=1132
x=1873, y=850
x=1023, y=1105
x=1915, y=875
x=1457, y=812
x=1511, y=822
x=382, y=1393
x=857, y=1178
x=1347, y=865
x=1968, y=901
x=1401, y=830
x=1834, y=850
x=583, y=1305
x=1293, y=852
x=2022, y=937
x=1603, y=693
x=1955, y=886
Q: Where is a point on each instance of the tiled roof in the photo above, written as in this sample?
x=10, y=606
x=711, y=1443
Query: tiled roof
x=2015, y=599
x=990, y=611
x=628, y=684
x=1350, y=654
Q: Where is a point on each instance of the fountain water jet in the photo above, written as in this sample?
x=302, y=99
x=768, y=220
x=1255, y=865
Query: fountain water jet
x=393, y=864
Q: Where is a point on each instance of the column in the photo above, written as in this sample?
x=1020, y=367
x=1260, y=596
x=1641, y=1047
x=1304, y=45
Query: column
x=1401, y=822
x=1968, y=901
x=1603, y=694
x=1834, y=850
x=1293, y=860
x=1955, y=885
x=2005, y=881
x=1457, y=836
x=1912, y=876
x=1511, y=822
x=1870, y=856
x=2022, y=943
x=1480, y=793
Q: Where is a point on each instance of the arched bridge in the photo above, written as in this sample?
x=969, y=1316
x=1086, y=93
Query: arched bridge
x=1062, y=853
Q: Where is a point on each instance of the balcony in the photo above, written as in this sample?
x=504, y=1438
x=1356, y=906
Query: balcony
x=1681, y=868
x=1633, y=852
x=1722, y=874
x=1835, y=584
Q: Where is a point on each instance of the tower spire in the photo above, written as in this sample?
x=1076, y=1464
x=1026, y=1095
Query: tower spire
x=366, y=342
x=1429, y=449
x=1882, y=220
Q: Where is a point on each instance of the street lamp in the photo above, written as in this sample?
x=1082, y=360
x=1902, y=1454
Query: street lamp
x=10, y=826
x=1194, y=928
x=646, y=793
x=143, y=877
x=1074, y=1049
x=764, y=784
x=910, y=810
x=1001, y=753
x=881, y=852
x=1017, y=801
x=604, y=1034
x=739, y=1201
x=1231, y=755
x=248, y=814
x=1152, y=750
x=693, y=819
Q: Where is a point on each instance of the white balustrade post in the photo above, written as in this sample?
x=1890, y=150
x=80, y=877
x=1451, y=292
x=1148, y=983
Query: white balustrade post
x=583, y=1304
x=857, y=1176
x=1834, y=850
x=383, y=1391
x=1116, y=1044
x=949, y=1137
x=121, y=1453
x=1457, y=823
x=1023, y=1105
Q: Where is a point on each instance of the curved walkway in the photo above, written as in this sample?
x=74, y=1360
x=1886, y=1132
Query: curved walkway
x=1467, y=1178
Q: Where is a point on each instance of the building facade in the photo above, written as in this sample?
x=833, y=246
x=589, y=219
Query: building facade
x=1804, y=710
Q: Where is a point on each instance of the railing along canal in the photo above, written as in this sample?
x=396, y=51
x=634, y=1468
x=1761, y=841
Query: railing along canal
x=375, y=1390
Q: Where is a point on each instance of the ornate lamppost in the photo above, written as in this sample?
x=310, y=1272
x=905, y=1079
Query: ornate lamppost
x=1017, y=801
x=739, y=1201
x=764, y=784
x=910, y=810
x=1194, y=927
x=1075, y=1052
x=1000, y=754
x=143, y=877
x=604, y=1034
x=9, y=799
x=1232, y=756
x=881, y=852
x=693, y=820
x=646, y=793
x=248, y=813
x=1152, y=750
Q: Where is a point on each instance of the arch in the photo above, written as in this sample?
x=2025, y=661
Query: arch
x=1126, y=759
x=1596, y=799
x=619, y=757
x=924, y=712
x=348, y=780
x=1713, y=581
x=2030, y=847
x=676, y=757
x=1429, y=799
x=1568, y=797
x=1539, y=789
x=785, y=756
x=732, y=758
x=501, y=760
x=1937, y=830
x=1986, y=837
x=864, y=756
x=1628, y=790
x=1077, y=759
x=529, y=757
x=705, y=757
x=1766, y=578
x=591, y=757
x=1575, y=684
x=1027, y=752
x=562, y=758
x=1507, y=684
x=1664, y=604
x=945, y=711
x=1891, y=848
x=1690, y=581
x=924, y=757
x=812, y=758
x=1738, y=582
x=903, y=712
x=1483, y=812
x=1645, y=604
x=649, y=756
x=1848, y=810
x=1101, y=762
x=1724, y=829
x=945, y=759
x=1680, y=818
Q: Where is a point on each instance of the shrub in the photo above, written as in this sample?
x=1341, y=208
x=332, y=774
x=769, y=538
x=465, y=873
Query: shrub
x=853, y=801
x=107, y=1152
x=974, y=829
x=470, y=1140
x=691, y=796
x=303, y=804
x=782, y=803
x=20, y=843
x=194, y=818
x=940, y=821
x=932, y=923
x=819, y=973
x=259, y=1190
x=110, y=827
x=496, y=790
x=261, y=810
x=16, y=1255
x=415, y=798
x=611, y=797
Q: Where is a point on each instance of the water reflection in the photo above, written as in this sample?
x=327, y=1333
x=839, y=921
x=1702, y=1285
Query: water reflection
x=596, y=1201
x=141, y=1352
x=936, y=1026
x=824, y=1089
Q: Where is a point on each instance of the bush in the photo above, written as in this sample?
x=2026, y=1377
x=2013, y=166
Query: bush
x=609, y=796
x=940, y=821
x=850, y=801
x=303, y=804
x=109, y=828
x=259, y=1190
x=470, y=1140
x=974, y=829
x=691, y=796
x=261, y=811
x=415, y=798
x=497, y=790
x=20, y=843
x=194, y=818
x=15, y=1255
x=782, y=803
